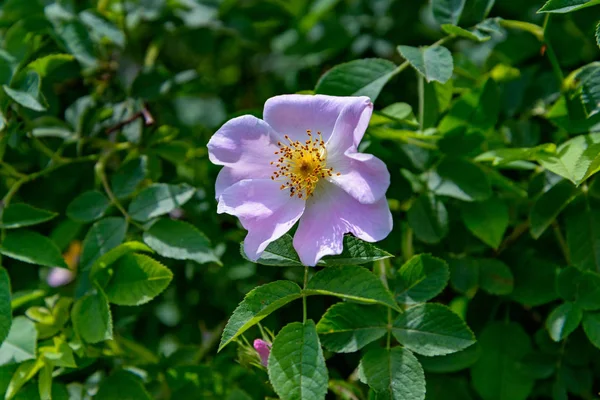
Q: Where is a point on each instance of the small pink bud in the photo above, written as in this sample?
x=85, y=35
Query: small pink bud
x=59, y=277
x=263, y=349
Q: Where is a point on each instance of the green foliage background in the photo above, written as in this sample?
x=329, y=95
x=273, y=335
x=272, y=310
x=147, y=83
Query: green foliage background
x=489, y=131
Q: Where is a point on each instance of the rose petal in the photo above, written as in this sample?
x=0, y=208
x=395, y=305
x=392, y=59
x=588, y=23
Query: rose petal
x=330, y=213
x=295, y=113
x=263, y=349
x=245, y=146
x=263, y=209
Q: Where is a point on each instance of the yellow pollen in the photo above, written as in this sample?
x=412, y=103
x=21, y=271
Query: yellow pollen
x=301, y=165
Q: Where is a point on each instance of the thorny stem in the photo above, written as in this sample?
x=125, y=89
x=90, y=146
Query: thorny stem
x=304, y=295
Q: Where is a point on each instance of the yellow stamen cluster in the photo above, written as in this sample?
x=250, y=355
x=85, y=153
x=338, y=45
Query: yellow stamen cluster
x=301, y=165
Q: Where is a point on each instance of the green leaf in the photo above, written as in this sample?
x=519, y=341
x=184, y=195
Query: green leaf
x=102, y=29
x=494, y=276
x=103, y=236
x=28, y=99
x=583, y=234
x=461, y=180
x=447, y=11
x=348, y=327
x=88, y=206
x=433, y=63
x=394, y=374
x=5, y=304
x=136, y=280
x=114, y=254
x=464, y=275
x=563, y=320
x=533, y=286
x=591, y=326
x=159, y=199
x=24, y=373
x=180, y=241
x=123, y=385
x=126, y=180
x=547, y=207
x=258, y=303
x=487, y=220
x=575, y=159
x=92, y=319
x=296, y=364
x=497, y=374
x=364, y=77
x=428, y=218
x=20, y=344
x=351, y=283
x=33, y=248
x=475, y=34
x=432, y=330
x=420, y=279
x=72, y=34
x=565, y=6
x=21, y=214
x=588, y=83
x=452, y=362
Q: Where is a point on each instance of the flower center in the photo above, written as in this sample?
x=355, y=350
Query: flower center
x=301, y=165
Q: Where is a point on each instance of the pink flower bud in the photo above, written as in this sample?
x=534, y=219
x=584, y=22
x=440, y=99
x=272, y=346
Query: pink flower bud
x=59, y=277
x=263, y=349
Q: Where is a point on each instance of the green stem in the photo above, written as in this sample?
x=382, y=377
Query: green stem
x=561, y=242
x=389, y=330
x=304, y=295
x=421, y=101
x=552, y=55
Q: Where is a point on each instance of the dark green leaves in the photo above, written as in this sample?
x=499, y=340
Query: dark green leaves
x=92, y=319
x=565, y=6
x=102, y=237
x=394, y=374
x=126, y=180
x=357, y=78
x=5, y=305
x=433, y=63
x=26, y=92
x=421, y=279
x=159, y=199
x=179, y=240
x=88, y=206
x=296, y=365
x=460, y=179
x=447, y=11
x=21, y=214
x=487, y=220
x=583, y=234
x=33, y=248
x=563, y=320
x=549, y=205
x=428, y=218
x=122, y=385
x=257, y=304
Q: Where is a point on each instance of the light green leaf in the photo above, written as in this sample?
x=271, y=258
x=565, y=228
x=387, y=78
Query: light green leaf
x=497, y=374
x=563, y=320
x=432, y=330
x=348, y=327
x=5, y=304
x=101, y=28
x=394, y=374
x=180, y=241
x=21, y=214
x=25, y=99
x=565, y=6
x=159, y=199
x=45, y=65
x=126, y=180
x=494, y=276
x=136, y=280
x=20, y=344
x=351, y=283
x=591, y=326
x=364, y=77
x=76, y=39
x=296, y=364
x=88, y=206
x=452, y=362
x=487, y=220
x=33, y=248
x=92, y=319
x=103, y=236
x=475, y=34
x=420, y=279
x=114, y=254
x=24, y=373
x=461, y=180
x=547, y=207
x=447, y=11
x=428, y=218
x=123, y=385
x=433, y=63
x=258, y=303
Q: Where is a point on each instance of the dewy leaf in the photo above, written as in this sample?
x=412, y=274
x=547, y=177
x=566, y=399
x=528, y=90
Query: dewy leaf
x=103, y=236
x=180, y=241
x=563, y=320
x=420, y=279
x=136, y=280
x=351, y=283
x=348, y=327
x=258, y=303
x=126, y=180
x=428, y=218
x=394, y=374
x=434, y=63
x=296, y=364
x=21, y=214
x=122, y=385
x=88, y=206
x=364, y=77
x=33, y=248
x=498, y=374
x=565, y=6
x=547, y=207
x=5, y=305
x=432, y=330
x=459, y=179
x=159, y=199
x=487, y=220
x=591, y=326
x=20, y=343
x=92, y=319
x=447, y=11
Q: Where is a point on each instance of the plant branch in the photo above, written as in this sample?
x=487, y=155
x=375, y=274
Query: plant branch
x=304, y=295
x=144, y=113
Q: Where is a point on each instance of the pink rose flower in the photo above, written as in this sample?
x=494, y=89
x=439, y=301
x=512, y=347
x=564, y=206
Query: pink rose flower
x=263, y=349
x=301, y=163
